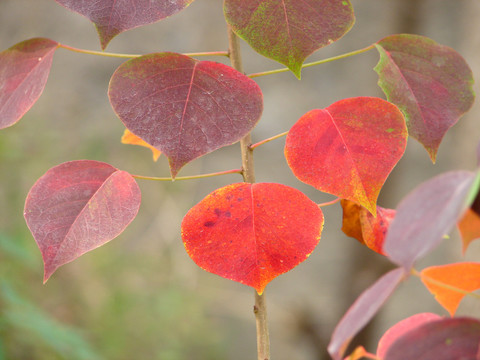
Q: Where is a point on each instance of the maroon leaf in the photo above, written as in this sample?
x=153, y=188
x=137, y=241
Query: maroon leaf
x=430, y=83
x=78, y=206
x=183, y=107
x=362, y=311
x=426, y=215
x=401, y=328
x=111, y=17
x=445, y=339
x=288, y=31
x=24, y=70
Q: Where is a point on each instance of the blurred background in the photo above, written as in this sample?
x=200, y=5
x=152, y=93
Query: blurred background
x=140, y=296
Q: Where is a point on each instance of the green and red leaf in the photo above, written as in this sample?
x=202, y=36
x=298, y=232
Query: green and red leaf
x=251, y=233
x=183, y=107
x=349, y=148
x=111, y=17
x=360, y=224
x=429, y=82
x=448, y=283
x=288, y=31
x=24, y=70
x=78, y=206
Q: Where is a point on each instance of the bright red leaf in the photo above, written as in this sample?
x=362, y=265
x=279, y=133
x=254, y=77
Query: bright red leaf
x=184, y=107
x=288, y=31
x=362, y=311
x=464, y=276
x=349, y=148
x=360, y=224
x=111, y=17
x=426, y=215
x=24, y=70
x=401, y=328
x=443, y=339
x=129, y=138
x=251, y=233
x=430, y=83
x=78, y=206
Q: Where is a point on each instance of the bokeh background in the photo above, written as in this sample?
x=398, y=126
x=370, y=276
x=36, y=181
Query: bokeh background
x=140, y=296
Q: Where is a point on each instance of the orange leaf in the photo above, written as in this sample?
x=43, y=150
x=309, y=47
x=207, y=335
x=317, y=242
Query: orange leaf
x=469, y=227
x=463, y=276
x=251, y=233
x=129, y=138
x=360, y=224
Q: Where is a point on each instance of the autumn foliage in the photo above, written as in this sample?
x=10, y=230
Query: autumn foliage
x=185, y=108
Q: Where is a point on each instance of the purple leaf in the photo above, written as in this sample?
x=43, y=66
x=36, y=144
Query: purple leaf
x=445, y=339
x=430, y=83
x=111, y=17
x=426, y=215
x=24, y=70
x=78, y=206
x=184, y=107
x=362, y=311
x=288, y=31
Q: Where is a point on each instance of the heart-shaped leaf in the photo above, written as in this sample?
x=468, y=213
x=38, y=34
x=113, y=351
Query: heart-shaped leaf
x=443, y=339
x=362, y=311
x=251, y=233
x=288, y=31
x=78, y=206
x=24, y=70
x=463, y=276
x=401, y=328
x=349, y=148
x=111, y=17
x=426, y=215
x=183, y=107
x=360, y=224
x=430, y=83
x=129, y=138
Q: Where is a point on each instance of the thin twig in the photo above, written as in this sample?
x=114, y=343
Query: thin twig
x=235, y=171
x=319, y=62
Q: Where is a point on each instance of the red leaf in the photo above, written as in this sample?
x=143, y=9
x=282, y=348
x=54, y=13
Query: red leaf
x=129, y=138
x=78, y=206
x=288, y=31
x=401, y=328
x=349, y=148
x=360, y=224
x=362, y=311
x=251, y=233
x=24, y=70
x=430, y=83
x=183, y=107
x=464, y=276
x=426, y=215
x=444, y=339
x=111, y=17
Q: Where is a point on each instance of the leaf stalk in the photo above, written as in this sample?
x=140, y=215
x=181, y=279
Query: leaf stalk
x=130, y=56
x=201, y=176
x=314, y=63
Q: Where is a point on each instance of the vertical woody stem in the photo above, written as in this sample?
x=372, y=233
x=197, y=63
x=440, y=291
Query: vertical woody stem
x=260, y=308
